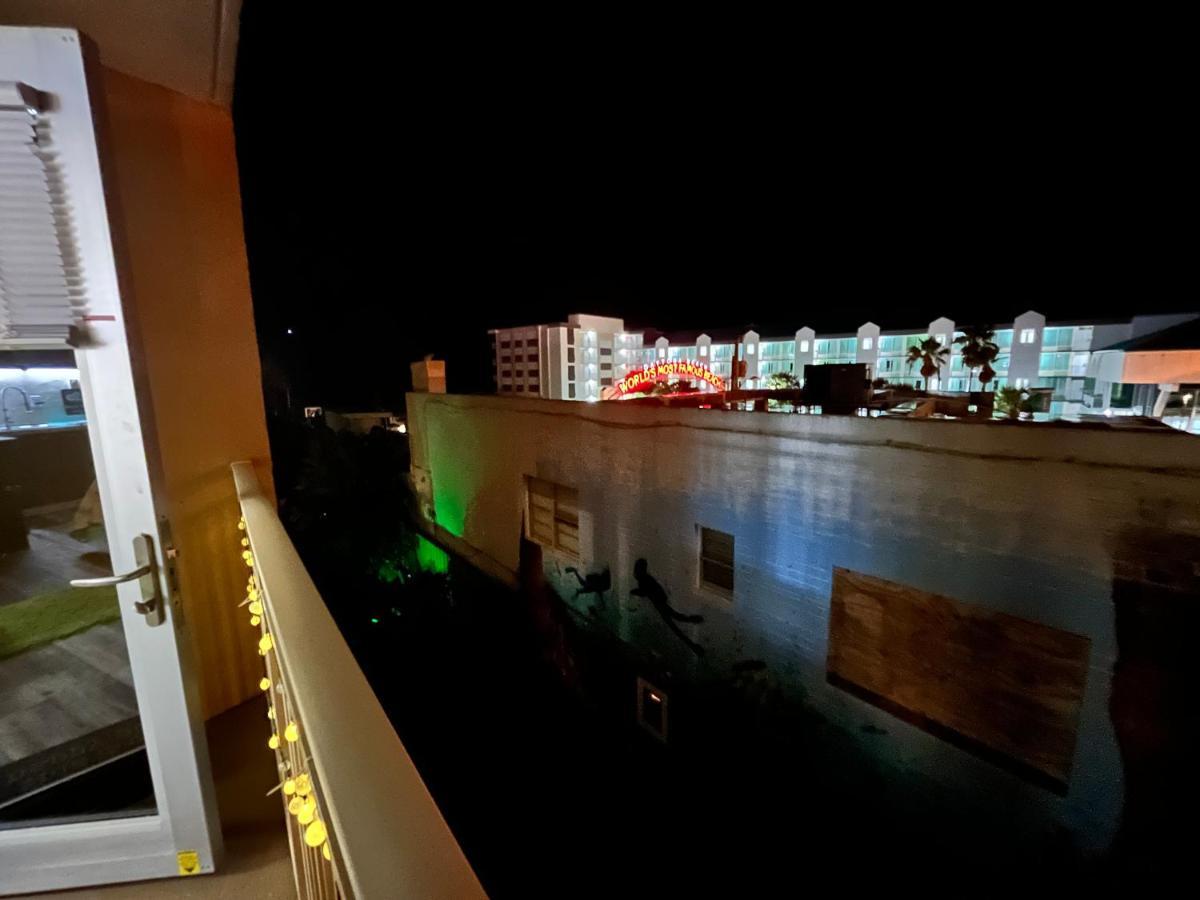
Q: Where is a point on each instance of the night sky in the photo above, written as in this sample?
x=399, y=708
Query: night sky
x=409, y=185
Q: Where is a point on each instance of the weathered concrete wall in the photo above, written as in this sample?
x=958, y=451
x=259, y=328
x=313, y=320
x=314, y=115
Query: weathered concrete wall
x=1023, y=519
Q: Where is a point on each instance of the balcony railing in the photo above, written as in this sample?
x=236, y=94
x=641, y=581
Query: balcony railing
x=361, y=822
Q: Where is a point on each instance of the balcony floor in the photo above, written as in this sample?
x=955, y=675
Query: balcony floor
x=256, y=848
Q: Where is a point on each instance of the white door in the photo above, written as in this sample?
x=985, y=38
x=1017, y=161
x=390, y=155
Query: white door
x=104, y=772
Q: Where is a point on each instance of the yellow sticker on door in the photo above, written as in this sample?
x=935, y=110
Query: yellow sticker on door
x=189, y=862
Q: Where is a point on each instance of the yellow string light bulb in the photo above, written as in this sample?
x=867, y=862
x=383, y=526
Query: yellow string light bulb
x=241, y=524
x=264, y=684
x=303, y=785
x=296, y=806
x=315, y=834
x=273, y=743
x=325, y=852
x=255, y=608
x=265, y=643
x=309, y=812
x=289, y=787
x=292, y=732
x=271, y=713
x=245, y=542
x=254, y=620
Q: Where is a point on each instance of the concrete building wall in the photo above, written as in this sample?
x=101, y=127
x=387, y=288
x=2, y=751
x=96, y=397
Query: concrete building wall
x=751, y=353
x=1028, y=521
x=868, y=347
x=806, y=348
x=1026, y=349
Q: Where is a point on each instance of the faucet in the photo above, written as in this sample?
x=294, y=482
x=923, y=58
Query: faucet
x=4, y=403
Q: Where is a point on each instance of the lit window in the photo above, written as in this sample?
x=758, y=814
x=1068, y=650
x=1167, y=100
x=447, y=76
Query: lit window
x=868, y=343
x=1028, y=335
x=552, y=516
x=749, y=349
x=662, y=352
x=804, y=346
x=716, y=559
x=941, y=339
x=703, y=350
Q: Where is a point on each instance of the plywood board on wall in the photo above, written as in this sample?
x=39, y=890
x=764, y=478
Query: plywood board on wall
x=1002, y=686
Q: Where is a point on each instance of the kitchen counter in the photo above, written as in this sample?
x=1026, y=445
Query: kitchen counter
x=43, y=465
x=18, y=430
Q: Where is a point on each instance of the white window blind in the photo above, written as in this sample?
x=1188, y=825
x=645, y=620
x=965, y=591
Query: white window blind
x=41, y=285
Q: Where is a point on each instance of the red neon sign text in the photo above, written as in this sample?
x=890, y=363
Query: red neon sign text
x=682, y=370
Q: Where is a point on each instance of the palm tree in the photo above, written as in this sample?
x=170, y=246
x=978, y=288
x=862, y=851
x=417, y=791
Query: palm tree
x=979, y=351
x=931, y=355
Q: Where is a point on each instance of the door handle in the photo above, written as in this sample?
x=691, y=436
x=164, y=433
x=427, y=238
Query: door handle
x=112, y=579
x=146, y=574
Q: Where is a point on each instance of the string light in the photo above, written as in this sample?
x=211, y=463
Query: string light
x=315, y=834
x=308, y=812
x=303, y=802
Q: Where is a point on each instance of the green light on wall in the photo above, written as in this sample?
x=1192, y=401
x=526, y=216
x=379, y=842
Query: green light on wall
x=431, y=558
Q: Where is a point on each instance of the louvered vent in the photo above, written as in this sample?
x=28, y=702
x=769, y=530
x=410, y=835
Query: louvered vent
x=41, y=285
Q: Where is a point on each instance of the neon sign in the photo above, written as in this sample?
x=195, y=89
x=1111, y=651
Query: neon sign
x=685, y=370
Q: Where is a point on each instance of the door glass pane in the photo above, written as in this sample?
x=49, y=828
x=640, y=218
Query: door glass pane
x=71, y=743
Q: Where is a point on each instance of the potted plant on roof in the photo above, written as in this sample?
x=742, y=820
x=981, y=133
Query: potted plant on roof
x=1017, y=402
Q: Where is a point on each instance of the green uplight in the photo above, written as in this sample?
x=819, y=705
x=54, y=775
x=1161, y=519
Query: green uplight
x=431, y=558
x=374, y=621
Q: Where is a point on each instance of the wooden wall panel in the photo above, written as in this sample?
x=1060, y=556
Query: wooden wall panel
x=173, y=178
x=1001, y=685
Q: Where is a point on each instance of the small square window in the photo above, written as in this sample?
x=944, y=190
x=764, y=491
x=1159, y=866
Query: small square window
x=1028, y=335
x=662, y=352
x=652, y=709
x=868, y=343
x=552, y=516
x=749, y=349
x=716, y=559
x=704, y=350
x=570, y=392
x=804, y=346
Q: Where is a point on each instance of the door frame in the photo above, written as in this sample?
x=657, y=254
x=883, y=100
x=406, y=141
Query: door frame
x=116, y=402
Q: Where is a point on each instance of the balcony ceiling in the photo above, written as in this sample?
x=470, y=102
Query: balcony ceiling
x=188, y=46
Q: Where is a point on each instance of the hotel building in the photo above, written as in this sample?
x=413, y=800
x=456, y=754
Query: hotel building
x=578, y=359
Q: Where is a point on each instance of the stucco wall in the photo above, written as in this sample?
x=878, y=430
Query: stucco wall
x=172, y=178
x=1021, y=519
